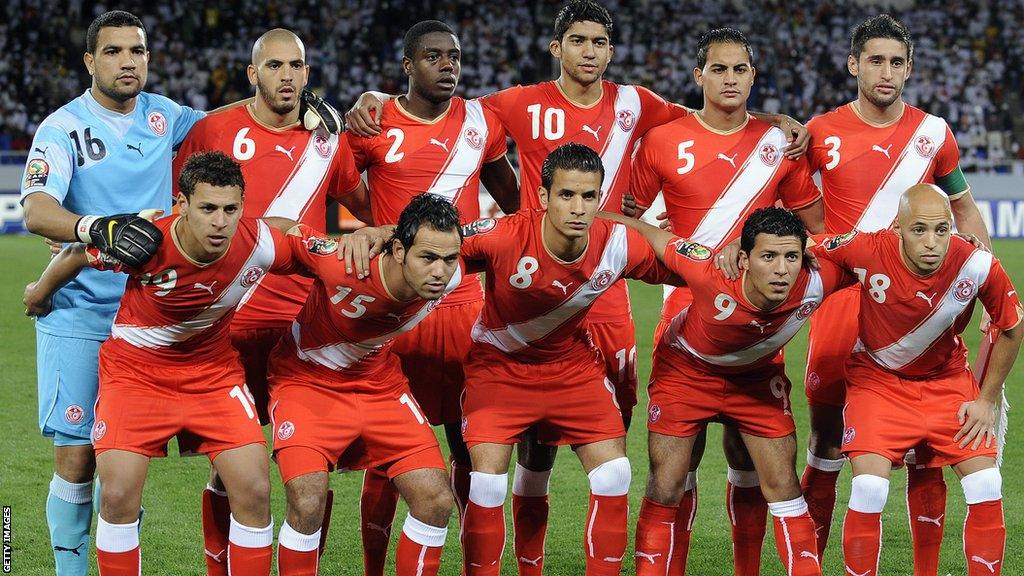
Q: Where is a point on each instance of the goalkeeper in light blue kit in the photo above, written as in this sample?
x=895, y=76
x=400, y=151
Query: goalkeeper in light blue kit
x=107, y=152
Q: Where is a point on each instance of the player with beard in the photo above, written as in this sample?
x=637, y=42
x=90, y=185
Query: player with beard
x=291, y=173
x=868, y=152
x=439, y=143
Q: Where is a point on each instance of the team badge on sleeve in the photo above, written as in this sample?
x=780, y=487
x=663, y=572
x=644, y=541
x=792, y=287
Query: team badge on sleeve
x=321, y=246
x=692, y=250
x=837, y=241
x=36, y=173
x=479, y=227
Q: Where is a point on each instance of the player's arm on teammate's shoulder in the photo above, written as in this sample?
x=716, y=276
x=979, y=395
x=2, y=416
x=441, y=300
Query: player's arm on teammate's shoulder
x=500, y=180
x=363, y=118
x=62, y=269
x=656, y=237
x=968, y=218
x=796, y=133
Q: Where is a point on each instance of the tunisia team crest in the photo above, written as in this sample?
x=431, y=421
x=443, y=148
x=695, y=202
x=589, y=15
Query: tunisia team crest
x=653, y=413
x=251, y=276
x=602, y=280
x=285, y=430
x=626, y=119
x=769, y=154
x=322, y=145
x=74, y=414
x=157, y=123
x=849, y=435
x=965, y=289
x=805, y=310
x=474, y=138
x=99, y=430
x=925, y=146
x=813, y=381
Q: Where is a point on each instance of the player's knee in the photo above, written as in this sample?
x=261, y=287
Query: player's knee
x=869, y=493
x=983, y=486
x=76, y=464
x=306, y=501
x=487, y=490
x=434, y=505
x=611, y=478
x=119, y=502
x=251, y=494
x=666, y=489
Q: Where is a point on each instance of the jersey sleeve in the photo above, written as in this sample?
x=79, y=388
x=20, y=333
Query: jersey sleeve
x=686, y=259
x=845, y=250
x=51, y=163
x=185, y=119
x=497, y=144
x=818, y=149
x=833, y=276
x=644, y=181
x=948, y=175
x=193, y=143
x=502, y=103
x=1000, y=298
x=307, y=251
x=100, y=261
x=643, y=264
x=656, y=111
x=346, y=176
x=285, y=260
x=798, y=189
x=479, y=238
x=360, y=148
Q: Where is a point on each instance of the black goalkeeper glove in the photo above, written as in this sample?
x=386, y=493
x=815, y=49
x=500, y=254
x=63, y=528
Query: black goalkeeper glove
x=127, y=237
x=315, y=112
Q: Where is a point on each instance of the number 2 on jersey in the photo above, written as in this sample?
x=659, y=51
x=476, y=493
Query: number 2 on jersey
x=393, y=154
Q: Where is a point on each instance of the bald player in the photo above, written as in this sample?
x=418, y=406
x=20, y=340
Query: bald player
x=290, y=172
x=908, y=382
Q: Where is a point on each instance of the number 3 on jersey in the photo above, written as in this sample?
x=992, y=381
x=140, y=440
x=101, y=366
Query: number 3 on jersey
x=523, y=277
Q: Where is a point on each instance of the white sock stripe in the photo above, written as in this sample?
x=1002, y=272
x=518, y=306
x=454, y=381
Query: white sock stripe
x=71, y=492
x=526, y=482
x=217, y=492
x=788, y=508
x=590, y=529
x=292, y=539
x=487, y=490
x=250, y=537
x=824, y=464
x=116, y=538
x=743, y=478
x=982, y=486
x=421, y=559
x=693, y=512
x=424, y=534
x=730, y=505
x=789, y=546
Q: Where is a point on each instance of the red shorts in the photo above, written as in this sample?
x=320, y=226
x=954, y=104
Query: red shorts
x=373, y=423
x=617, y=343
x=834, y=328
x=433, y=354
x=888, y=415
x=254, y=346
x=206, y=405
x=570, y=401
x=684, y=397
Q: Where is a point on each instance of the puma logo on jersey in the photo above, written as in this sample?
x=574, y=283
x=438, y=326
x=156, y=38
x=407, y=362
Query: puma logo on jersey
x=442, y=145
x=852, y=573
x=42, y=151
x=936, y=521
x=760, y=327
x=926, y=298
x=533, y=562
x=564, y=287
x=202, y=286
x=287, y=152
x=592, y=131
x=730, y=159
x=216, y=557
x=649, y=557
x=990, y=565
x=136, y=148
x=877, y=148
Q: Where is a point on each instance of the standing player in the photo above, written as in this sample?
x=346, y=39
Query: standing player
x=715, y=167
x=169, y=347
x=533, y=364
x=106, y=152
x=445, y=145
x=291, y=173
x=868, y=152
x=339, y=397
x=909, y=385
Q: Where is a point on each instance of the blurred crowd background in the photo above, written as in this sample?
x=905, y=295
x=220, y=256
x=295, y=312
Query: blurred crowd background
x=968, y=63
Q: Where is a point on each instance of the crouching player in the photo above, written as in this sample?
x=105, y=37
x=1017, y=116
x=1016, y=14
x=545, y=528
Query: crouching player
x=169, y=370
x=338, y=397
x=720, y=360
x=909, y=385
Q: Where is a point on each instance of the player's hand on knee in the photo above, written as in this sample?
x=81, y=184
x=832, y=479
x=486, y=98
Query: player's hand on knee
x=977, y=424
x=797, y=136
x=728, y=260
x=315, y=112
x=363, y=119
x=36, y=304
x=129, y=238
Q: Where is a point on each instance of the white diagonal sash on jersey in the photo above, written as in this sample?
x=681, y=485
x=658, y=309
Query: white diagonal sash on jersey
x=305, y=180
x=464, y=160
x=617, y=146
x=910, y=168
x=745, y=186
x=342, y=355
x=912, y=345
x=515, y=337
x=770, y=345
x=262, y=256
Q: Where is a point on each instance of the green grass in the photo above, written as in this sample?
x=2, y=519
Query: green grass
x=172, y=540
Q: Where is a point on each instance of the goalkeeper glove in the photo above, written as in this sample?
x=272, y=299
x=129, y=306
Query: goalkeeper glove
x=315, y=112
x=131, y=239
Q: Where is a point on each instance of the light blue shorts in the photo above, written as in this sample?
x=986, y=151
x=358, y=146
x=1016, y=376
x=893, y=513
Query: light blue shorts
x=67, y=375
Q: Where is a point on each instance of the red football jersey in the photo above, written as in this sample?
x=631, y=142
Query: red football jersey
x=176, y=311
x=866, y=167
x=348, y=324
x=289, y=172
x=721, y=330
x=541, y=118
x=412, y=156
x=910, y=324
x=535, y=303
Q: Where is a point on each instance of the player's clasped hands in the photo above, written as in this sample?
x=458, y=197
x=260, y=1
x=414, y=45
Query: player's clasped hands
x=977, y=419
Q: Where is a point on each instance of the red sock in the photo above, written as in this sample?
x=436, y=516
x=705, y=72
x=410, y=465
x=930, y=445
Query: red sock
x=530, y=525
x=862, y=540
x=377, y=506
x=655, y=538
x=297, y=553
x=216, y=520
x=419, y=548
x=748, y=514
x=483, y=539
x=119, y=563
x=250, y=550
x=926, y=506
x=684, y=527
x=460, y=486
x=794, y=539
x=604, y=540
x=819, y=488
x=984, y=538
